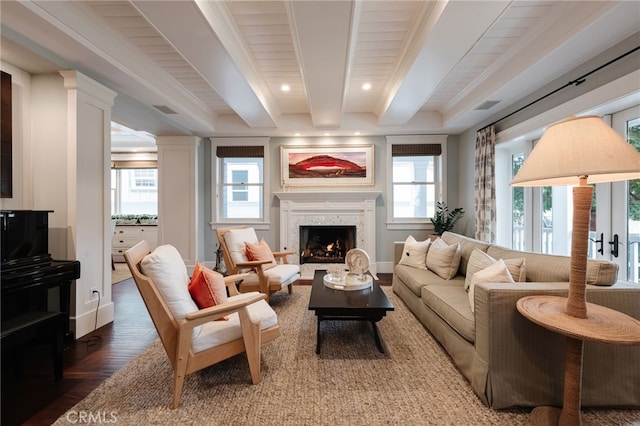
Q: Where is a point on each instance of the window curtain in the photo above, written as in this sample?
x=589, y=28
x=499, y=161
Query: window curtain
x=485, y=185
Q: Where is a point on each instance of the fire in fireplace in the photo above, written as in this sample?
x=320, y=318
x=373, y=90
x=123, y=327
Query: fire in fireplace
x=326, y=244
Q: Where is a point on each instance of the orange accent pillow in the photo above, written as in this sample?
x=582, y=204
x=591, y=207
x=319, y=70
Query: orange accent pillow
x=207, y=287
x=261, y=251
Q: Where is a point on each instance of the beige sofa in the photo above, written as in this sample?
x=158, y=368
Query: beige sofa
x=508, y=360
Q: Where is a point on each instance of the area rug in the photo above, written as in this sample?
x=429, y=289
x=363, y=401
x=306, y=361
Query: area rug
x=349, y=383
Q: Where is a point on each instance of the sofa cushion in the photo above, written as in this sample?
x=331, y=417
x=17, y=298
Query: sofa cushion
x=415, y=279
x=414, y=253
x=466, y=247
x=443, y=259
x=494, y=273
x=451, y=303
x=555, y=268
x=480, y=260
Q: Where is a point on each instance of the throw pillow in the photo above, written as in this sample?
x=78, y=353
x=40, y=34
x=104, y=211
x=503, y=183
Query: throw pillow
x=207, y=287
x=497, y=272
x=414, y=253
x=261, y=251
x=477, y=262
x=480, y=260
x=444, y=259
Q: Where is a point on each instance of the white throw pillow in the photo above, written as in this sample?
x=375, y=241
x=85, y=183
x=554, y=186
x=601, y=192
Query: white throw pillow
x=494, y=273
x=444, y=259
x=480, y=260
x=165, y=267
x=477, y=262
x=414, y=253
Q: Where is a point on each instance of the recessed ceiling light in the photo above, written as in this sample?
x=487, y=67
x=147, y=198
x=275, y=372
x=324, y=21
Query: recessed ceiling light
x=296, y=134
x=285, y=87
x=366, y=86
x=327, y=134
x=357, y=133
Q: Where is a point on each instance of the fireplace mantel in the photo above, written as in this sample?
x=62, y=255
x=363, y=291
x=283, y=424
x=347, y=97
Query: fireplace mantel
x=357, y=208
x=328, y=196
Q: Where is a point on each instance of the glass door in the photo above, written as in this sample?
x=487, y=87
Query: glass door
x=623, y=243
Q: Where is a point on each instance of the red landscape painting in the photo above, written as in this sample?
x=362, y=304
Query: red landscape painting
x=340, y=165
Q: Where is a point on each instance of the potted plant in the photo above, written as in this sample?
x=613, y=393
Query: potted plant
x=444, y=220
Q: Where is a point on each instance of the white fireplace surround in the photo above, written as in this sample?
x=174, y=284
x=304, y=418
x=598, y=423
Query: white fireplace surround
x=312, y=208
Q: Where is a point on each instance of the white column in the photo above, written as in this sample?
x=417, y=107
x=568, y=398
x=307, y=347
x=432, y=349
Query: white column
x=177, y=194
x=82, y=183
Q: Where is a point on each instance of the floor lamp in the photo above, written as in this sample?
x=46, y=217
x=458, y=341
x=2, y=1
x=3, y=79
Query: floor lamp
x=578, y=151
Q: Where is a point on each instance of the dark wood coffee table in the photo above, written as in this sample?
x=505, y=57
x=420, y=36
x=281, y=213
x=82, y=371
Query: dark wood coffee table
x=340, y=305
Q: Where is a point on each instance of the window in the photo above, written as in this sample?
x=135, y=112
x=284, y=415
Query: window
x=134, y=186
x=415, y=181
x=240, y=192
x=144, y=178
x=239, y=169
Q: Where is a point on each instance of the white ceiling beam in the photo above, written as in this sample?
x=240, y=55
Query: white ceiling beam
x=77, y=37
x=223, y=24
x=183, y=25
x=322, y=31
x=447, y=43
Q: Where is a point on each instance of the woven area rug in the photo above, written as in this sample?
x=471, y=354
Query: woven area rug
x=349, y=383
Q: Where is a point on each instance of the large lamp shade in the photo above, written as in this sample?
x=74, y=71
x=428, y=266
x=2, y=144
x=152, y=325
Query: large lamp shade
x=579, y=146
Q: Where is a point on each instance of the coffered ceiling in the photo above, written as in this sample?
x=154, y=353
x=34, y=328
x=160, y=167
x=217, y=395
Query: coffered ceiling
x=213, y=68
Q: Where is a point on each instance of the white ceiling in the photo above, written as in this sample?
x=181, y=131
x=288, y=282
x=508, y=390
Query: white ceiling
x=218, y=66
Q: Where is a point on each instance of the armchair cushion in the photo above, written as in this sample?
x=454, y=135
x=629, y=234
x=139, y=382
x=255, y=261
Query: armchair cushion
x=207, y=287
x=165, y=267
x=283, y=274
x=236, y=240
x=261, y=251
x=215, y=333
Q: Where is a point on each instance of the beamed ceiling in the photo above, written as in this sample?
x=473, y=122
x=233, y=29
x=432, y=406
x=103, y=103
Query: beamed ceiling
x=211, y=68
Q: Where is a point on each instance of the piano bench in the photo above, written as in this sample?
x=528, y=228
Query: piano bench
x=21, y=329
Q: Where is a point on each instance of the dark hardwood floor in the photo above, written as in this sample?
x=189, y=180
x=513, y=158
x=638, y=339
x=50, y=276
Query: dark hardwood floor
x=36, y=399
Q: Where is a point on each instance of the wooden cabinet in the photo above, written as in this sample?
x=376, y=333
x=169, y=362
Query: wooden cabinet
x=126, y=236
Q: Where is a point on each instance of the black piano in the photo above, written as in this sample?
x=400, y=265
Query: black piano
x=36, y=289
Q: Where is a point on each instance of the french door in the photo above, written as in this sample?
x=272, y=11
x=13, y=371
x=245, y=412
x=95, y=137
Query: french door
x=622, y=206
x=540, y=219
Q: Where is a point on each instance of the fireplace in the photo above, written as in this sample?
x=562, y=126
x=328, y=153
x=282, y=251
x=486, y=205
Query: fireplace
x=354, y=209
x=326, y=244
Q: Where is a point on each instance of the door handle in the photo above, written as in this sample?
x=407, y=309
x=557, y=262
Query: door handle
x=600, y=243
x=614, y=245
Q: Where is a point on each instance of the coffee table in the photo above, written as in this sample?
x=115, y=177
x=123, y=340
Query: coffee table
x=338, y=305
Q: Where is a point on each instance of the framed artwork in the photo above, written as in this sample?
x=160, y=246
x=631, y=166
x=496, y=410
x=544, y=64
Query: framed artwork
x=327, y=165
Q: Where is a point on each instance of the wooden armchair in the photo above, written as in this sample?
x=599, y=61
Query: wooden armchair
x=269, y=274
x=192, y=337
